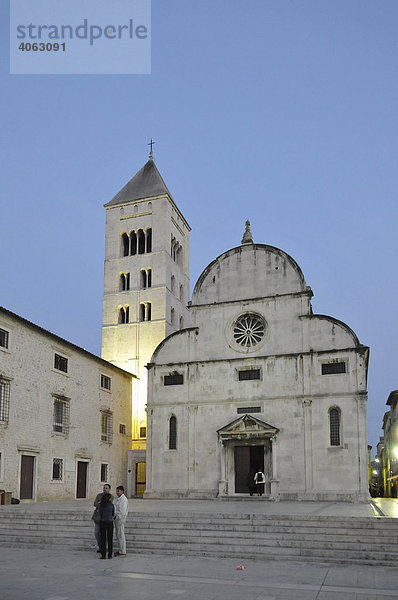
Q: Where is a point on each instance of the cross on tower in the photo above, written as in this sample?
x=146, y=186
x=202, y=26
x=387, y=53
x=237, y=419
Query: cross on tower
x=151, y=143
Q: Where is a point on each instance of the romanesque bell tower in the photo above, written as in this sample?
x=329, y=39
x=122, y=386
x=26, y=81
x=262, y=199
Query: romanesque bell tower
x=146, y=280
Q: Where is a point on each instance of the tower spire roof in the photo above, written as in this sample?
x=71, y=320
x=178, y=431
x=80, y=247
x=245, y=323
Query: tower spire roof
x=147, y=183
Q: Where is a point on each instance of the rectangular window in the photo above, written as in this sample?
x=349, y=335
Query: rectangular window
x=122, y=428
x=333, y=368
x=105, y=382
x=248, y=409
x=249, y=374
x=58, y=469
x=104, y=473
x=174, y=379
x=3, y=338
x=61, y=416
x=60, y=363
x=4, y=400
x=142, y=432
x=106, y=427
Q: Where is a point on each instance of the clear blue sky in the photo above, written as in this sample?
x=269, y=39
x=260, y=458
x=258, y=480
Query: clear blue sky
x=281, y=112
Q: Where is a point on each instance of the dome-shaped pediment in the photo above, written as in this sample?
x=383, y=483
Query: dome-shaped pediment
x=248, y=271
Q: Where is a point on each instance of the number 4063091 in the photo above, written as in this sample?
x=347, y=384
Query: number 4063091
x=42, y=47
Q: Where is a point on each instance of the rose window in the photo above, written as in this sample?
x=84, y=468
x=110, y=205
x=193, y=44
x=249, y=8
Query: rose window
x=249, y=330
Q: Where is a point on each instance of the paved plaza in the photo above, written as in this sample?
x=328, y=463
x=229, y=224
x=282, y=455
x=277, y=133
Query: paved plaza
x=52, y=574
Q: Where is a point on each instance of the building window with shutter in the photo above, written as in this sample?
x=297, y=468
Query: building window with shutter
x=334, y=368
x=60, y=363
x=58, y=469
x=105, y=382
x=334, y=425
x=3, y=338
x=61, y=415
x=173, y=433
x=4, y=400
x=106, y=427
x=104, y=472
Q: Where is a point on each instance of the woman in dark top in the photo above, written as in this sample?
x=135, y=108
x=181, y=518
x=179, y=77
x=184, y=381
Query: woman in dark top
x=107, y=511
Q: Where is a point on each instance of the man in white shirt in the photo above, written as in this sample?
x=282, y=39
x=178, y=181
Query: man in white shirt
x=121, y=510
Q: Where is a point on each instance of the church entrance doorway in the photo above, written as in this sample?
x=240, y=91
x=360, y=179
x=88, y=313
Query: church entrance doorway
x=27, y=473
x=248, y=460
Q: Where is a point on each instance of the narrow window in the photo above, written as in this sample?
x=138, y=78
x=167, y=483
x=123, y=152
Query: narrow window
x=142, y=432
x=3, y=338
x=334, y=420
x=149, y=279
x=133, y=243
x=61, y=416
x=60, y=363
x=122, y=315
x=122, y=286
x=333, y=368
x=174, y=379
x=142, y=312
x=126, y=244
x=172, y=315
x=179, y=256
x=141, y=241
x=249, y=374
x=173, y=433
x=181, y=322
x=4, y=400
x=172, y=284
x=149, y=311
x=104, y=472
x=127, y=281
x=105, y=382
x=58, y=469
x=106, y=427
x=181, y=293
x=122, y=428
x=149, y=240
x=143, y=279
x=127, y=313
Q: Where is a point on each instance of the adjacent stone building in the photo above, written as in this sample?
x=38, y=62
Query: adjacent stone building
x=65, y=415
x=257, y=381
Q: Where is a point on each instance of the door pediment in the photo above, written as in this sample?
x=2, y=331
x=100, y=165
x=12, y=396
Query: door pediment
x=246, y=427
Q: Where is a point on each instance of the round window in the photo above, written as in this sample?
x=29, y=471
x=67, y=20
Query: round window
x=249, y=330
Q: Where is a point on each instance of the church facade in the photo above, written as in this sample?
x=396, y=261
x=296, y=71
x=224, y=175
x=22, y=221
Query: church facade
x=257, y=382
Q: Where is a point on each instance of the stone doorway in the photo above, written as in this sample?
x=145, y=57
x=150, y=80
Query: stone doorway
x=248, y=459
x=81, y=484
x=27, y=473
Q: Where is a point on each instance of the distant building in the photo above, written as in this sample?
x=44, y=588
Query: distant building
x=65, y=415
x=258, y=382
x=389, y=454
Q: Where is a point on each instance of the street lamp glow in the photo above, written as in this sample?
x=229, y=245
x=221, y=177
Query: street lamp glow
x=375, y=473
x=377, y=460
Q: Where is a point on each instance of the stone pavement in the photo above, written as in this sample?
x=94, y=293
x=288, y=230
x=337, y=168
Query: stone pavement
x=69, y=575
x=27, y=574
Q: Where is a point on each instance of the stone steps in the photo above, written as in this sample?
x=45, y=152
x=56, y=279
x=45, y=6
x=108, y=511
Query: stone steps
x=242, y=536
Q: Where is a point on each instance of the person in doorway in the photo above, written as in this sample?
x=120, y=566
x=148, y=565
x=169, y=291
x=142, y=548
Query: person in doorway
x=250, y=482
x=259, y=480
x=121, y=510
x=96, y=515
x=107, y=511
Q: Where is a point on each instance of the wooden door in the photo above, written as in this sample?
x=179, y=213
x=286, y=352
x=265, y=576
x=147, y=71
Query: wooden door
x=27, y=471
x=81, y=488
x=140, y=478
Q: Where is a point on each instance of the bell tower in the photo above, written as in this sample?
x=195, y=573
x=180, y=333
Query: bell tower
x=146, y=280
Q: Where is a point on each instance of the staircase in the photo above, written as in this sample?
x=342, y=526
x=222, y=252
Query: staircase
x=354, y=540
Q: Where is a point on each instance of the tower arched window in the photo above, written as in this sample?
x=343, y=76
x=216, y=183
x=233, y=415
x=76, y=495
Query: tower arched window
x=181, y=293
x=149, y=278
x=143, y=277
x=173, y=433
x=178, y=258
x=172, y=284
x=172, y=315
x=133, y=243
x=127, y=281
x=149, y=311
x=142, y=312
x=141, y=241
x=124, y=282
x=125, y=244
x=149, y=240
x=123, y=314
x=127, y=313
x=335, y=426
x=181, y=322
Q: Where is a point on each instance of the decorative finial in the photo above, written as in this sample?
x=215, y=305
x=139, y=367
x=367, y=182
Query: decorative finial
x=151, y=143
x=247, y=236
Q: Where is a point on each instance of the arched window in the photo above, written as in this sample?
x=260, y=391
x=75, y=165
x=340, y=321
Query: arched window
x=181, y=322
x=172, y=284
x=173, y=433
x=149, y=205
x=142, y=312
x=149, y=278
x=178, y=258
x=181, y=293
x=334, y=425
x=148, y=311
x=172, y=315
x=141, y=241
x=123, y=315
x=125, y=243
x=122, y=285
x=127, y=313
x=127, y=281
x=149, y=240
x=143, y=279
x=133, y=243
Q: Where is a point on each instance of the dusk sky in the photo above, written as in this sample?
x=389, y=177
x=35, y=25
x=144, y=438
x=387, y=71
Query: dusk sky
x=280, y=112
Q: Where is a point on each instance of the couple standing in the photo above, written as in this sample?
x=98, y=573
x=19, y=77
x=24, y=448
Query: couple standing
x=107, y=513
